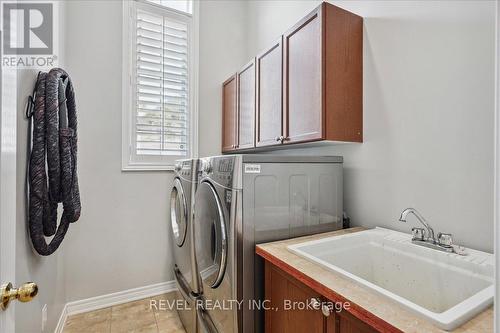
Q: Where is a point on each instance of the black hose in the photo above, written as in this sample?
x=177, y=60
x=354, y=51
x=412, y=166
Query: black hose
x=52, y=174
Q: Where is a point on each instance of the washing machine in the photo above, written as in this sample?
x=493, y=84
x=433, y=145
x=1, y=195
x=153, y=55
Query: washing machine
x=182, y=246
x=243, y=200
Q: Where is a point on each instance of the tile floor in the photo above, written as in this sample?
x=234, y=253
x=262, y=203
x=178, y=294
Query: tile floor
x=135, y=317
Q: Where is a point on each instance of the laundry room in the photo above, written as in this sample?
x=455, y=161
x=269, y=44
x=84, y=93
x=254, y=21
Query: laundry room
x=249, y=166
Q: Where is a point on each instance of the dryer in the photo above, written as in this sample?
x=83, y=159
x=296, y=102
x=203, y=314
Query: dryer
x=243, y=200
x=182, y=246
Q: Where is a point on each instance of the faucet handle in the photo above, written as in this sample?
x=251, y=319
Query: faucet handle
x=418, y=233
x=445, y=239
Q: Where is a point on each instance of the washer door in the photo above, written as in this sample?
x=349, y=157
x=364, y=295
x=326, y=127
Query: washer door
x=210, y=235
x=178, y=213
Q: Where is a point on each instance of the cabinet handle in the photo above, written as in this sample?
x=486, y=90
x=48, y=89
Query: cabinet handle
x=282, y=138
x=325, y=310
x=317, y=305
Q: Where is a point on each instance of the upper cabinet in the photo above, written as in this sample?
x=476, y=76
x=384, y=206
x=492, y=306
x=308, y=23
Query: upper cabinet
x=307, y=86
x=229, y=115
x=342, y=74
x=269, y=113
x=303, y=80
x=246, y=106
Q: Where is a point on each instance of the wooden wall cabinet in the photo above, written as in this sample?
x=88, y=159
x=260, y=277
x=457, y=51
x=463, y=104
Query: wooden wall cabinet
x=269, y=112
x=229, y=114
x=281, y=287
x=323, y=77
x=303, y=80
x=246, y=106
x=306, y=87
x=238, y=110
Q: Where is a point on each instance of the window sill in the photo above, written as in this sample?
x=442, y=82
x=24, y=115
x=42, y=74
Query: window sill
x=132, y=168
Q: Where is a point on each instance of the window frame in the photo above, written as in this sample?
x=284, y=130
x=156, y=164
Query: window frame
x=130, y=160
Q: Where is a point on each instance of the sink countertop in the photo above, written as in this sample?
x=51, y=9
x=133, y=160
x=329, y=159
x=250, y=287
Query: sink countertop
x=369, y=306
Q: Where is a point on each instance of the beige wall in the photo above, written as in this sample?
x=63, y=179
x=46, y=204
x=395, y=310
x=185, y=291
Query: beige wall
x=428, y=112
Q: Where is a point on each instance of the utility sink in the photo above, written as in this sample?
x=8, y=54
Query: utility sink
x=445, y=288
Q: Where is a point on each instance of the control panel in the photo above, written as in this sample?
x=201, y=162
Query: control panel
x=219, y=169
x=183, y=169
x=226, y=164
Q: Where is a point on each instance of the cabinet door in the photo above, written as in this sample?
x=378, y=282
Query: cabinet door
x=344, y=322
x=246, y=106
x=229, y=114
x=287, y=297
x=332, y=323
x=303, y=80
x=269, y=113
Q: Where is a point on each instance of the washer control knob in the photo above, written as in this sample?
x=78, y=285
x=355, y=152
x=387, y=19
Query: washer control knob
x=207, y=167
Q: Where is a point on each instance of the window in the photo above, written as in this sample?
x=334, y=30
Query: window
x=185, y=6
x=160, y=81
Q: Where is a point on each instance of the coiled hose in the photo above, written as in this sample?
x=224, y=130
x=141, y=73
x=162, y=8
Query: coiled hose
x=52, y=171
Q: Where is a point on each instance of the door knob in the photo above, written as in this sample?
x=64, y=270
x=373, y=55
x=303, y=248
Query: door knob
x=25, y=293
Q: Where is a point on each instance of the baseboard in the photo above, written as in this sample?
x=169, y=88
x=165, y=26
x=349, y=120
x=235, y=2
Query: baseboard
x=105, y=301
x=62, y=320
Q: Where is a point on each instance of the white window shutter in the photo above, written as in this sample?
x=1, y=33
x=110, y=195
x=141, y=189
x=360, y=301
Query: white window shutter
x=161, y=85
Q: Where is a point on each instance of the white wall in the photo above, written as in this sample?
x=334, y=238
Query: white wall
x=428, y=107
x=428, y=112
x=497, y=167
x=222, y=52
x=121, y=240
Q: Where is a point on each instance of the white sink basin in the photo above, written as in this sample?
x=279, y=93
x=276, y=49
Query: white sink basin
x=447, y=289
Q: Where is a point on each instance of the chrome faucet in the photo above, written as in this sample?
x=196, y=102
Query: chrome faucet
x=425, y=237
x=419, y=217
